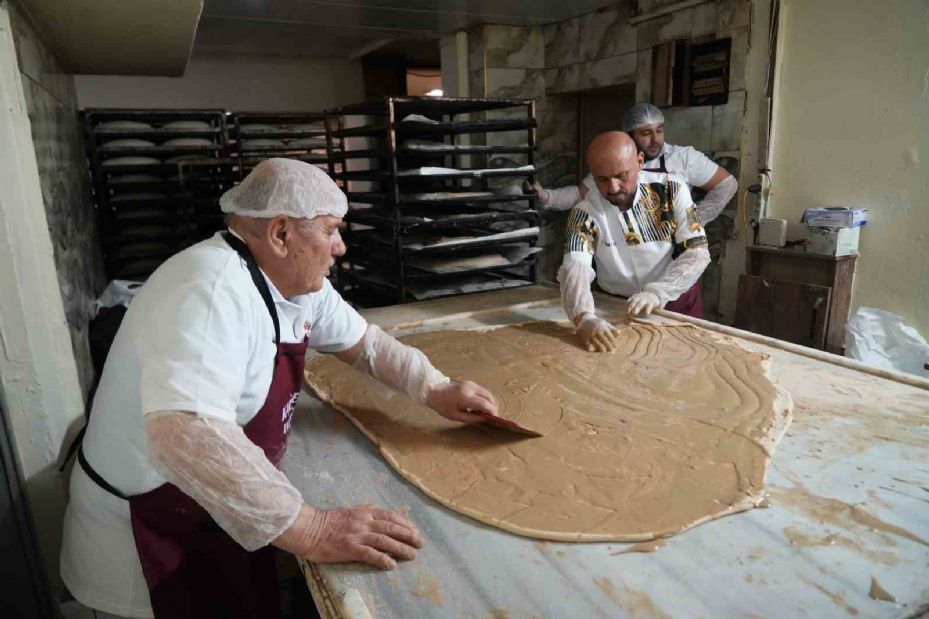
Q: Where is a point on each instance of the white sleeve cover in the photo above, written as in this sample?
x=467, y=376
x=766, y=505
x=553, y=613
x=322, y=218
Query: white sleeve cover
x=716, y=199
x=397, y=365
x=562, y=199
x=575, y=278
x=680, y=275
x=213, y=462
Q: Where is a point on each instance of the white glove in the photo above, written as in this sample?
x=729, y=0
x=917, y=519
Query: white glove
x=643, y=303
x=575, y=278
x=558, y=199
x=213, y=462
x=597, y=335
x=680, y=275
x=402, y=367
x=716, y=199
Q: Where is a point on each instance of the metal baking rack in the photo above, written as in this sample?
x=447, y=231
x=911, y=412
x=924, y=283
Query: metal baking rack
x=255, y=136
x=156, y=178
x=417, y=170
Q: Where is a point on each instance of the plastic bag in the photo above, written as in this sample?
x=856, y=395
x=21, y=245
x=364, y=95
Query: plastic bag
x=884, y=340
x=118, y=292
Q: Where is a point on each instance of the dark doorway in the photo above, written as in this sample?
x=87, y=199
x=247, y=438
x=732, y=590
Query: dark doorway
x=600, y=110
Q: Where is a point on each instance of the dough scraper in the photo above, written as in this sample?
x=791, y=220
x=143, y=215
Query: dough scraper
x=506, y=424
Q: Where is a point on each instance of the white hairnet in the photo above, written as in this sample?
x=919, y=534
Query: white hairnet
x=641, y=114
x=285, y=187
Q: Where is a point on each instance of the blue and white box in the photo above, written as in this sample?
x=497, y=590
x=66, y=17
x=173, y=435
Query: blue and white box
x=836, y=217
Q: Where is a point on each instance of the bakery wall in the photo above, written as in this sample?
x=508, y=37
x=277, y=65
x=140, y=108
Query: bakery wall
x=49, y=272
x=852, y=129
x=51, y=102
x=553, y=64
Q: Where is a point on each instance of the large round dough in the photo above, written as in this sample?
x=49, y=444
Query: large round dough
x=674, y=428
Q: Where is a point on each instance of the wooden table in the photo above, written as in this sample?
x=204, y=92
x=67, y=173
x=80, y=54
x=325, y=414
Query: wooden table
x=849, y=501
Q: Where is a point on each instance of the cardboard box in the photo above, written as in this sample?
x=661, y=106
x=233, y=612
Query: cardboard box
x=833, y=241
x=837, y=217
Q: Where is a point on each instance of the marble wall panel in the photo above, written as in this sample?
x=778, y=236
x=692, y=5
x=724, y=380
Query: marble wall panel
x=677, y=25
x=689, y=126
x=514, y=47
x=562, y=79
x=738, y=56
x=51, y=103
x=557, y=137
x=515, y=83
x=649, y=6
x=562, y=43
x=606, y=33
x=727, y=123
x=476, y=84
x=559, y=103
x=643, y=75
x=705, y=19
x=608, y=72
x=734, y=14
x=476, y=50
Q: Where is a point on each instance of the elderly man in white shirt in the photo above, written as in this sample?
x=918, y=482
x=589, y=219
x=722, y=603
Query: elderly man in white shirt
x=178, y=500
x=645, y=124
x=642, y=230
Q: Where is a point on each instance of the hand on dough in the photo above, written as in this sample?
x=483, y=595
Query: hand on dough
x=453, y=401
x=361, y=533
x=597, y=335
x=643, y=303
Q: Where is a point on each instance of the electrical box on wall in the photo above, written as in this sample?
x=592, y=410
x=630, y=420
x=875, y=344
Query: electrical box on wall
x=708, y=78
x=687, y=73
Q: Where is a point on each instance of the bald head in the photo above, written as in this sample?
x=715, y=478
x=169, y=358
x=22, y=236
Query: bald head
x=612, y=145
x=615, y=164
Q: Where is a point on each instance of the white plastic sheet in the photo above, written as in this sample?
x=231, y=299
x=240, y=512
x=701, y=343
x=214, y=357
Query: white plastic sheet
x=118, y=292
x=884, y=340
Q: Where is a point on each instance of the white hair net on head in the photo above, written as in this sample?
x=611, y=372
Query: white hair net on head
x=641, y=114
x=285, y=187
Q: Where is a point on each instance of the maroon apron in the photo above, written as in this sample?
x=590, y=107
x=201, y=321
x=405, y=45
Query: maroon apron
x=192, y=567
x=690, y=302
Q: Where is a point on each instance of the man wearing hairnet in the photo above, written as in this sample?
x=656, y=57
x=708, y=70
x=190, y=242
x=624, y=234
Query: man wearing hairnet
x=178, y=498
x=640, y=228
x=645, y=124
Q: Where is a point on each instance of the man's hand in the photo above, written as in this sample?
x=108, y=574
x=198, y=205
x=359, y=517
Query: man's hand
x=643, y=303
x=597, y=335
x=362, y=533
x=541, y=192
x=453, y=401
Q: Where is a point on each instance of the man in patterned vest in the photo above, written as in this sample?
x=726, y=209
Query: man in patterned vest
x=642, y=230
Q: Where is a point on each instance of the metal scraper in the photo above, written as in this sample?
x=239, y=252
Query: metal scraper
x=506, y=424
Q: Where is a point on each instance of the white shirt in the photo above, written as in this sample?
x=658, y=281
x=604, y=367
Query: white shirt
x=634, y=248
x=684, y=161
x=196, y=338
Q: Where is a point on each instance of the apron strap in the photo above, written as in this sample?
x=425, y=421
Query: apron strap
x=265, y=292
x=258, y=279
x=661, y=169
x=94, y=475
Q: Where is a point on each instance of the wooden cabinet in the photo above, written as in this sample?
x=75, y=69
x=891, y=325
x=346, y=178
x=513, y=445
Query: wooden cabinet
x=796, y=296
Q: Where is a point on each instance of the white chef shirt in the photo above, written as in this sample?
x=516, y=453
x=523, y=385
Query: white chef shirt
x=634, y=248
x=683, y=161
x=197, y=338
